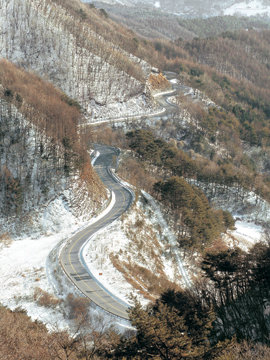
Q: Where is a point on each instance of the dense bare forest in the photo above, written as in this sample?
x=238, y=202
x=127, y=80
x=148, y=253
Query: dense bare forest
x=42, y=153
x=96, y=62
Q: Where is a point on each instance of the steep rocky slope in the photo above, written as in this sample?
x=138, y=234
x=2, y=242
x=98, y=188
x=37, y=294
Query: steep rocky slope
x=76, y=48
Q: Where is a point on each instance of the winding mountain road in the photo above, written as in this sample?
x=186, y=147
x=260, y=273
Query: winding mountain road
x=71, y=258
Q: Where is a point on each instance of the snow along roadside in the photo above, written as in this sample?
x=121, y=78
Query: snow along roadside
x=115, y=243
x=109, y=120
x=168, y=92
x=170, y=236
x=83, y=254
x=84, y=249
x=95, y=158
x=133, y=116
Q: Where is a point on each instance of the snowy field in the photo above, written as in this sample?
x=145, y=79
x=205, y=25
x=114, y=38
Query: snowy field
x=23, y=270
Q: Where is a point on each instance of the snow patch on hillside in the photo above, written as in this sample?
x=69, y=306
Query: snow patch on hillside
x=246, y=235
x=244, y=205
x=251, y=212
x=137, y=106
x=248, y=8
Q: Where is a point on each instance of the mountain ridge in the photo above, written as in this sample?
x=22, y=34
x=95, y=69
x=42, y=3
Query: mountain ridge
x=195, y=8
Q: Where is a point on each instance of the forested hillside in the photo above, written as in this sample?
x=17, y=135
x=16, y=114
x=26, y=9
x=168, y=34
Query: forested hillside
x=217, y=25
x=242, y=55
x=231, y=127
x=239, y=84
x=42, y=156
x=188, y=324
x=147, y=21
x=196, y=224
x=153, y=23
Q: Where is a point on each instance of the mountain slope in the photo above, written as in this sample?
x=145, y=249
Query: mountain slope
x=77, y=48
x=214, y=26
x=147, y=21
x=44, y=166
x=154, y=23
x=243, y=55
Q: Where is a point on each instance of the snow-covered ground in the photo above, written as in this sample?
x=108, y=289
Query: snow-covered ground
x=248, y=8
x=166, y=92
x=135, y=107
x=25, y=266
x=174, y=81
x=23, y=270
x=251, y=212
x=246, y=235
x=141, y=238
x=98, y=260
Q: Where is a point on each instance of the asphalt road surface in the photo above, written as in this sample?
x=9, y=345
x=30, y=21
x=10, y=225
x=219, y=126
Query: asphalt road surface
x=70, y=256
